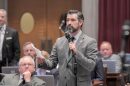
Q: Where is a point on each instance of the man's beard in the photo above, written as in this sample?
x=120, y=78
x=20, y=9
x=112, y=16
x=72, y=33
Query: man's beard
x=74, y=30
x=71, y=29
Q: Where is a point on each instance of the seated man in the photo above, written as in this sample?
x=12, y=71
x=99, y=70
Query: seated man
x=98, y=73
x=25, y=76
x=31, y=50
x=107, y=54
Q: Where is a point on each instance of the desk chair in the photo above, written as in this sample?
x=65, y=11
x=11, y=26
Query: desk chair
x=49, y=79
x=9, y=69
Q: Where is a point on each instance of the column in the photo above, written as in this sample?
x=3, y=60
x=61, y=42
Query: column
x=90, y=11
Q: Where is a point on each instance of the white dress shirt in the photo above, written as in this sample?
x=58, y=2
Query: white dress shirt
x=2, y=32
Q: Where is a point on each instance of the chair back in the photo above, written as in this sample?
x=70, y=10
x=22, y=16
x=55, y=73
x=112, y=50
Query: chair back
x=49, y=79
x=105, y=75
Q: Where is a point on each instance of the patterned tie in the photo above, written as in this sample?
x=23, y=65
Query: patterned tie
x=70, y=53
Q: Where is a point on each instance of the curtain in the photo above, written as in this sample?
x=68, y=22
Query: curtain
x=112, y=14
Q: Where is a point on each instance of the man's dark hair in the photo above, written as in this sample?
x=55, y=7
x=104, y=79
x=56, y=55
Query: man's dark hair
x=79, y=14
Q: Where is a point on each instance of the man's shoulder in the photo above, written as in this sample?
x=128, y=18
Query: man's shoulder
x=10, y=75
x=36, y=79
x=61, y=39
x=11, y=29
x=115, y=55
x=86, y=37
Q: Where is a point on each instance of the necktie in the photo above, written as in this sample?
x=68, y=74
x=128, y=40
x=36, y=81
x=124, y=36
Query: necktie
x=70, y=53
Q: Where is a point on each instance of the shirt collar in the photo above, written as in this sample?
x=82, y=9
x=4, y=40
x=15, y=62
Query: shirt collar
x=78, y=35
x=3, y=27
x=21, y=76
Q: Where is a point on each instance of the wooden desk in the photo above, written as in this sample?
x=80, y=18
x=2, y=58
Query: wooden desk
x=114, y=79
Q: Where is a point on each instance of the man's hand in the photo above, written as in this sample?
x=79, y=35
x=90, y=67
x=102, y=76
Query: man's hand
x=27, y=76
x=40, y=60
x=72, y=47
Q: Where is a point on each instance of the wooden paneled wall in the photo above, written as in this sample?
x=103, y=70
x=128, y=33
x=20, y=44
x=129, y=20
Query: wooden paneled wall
x=46, y=14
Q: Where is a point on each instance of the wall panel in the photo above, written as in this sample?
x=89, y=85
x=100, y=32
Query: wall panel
x=46, y=14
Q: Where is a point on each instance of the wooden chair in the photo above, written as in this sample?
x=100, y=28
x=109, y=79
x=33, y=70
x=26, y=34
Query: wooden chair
x=105, y=75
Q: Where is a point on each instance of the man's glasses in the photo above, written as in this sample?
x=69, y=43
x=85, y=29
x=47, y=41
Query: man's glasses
x=29, y=64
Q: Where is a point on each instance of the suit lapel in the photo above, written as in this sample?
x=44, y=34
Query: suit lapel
x=6, y=35
x=16, y=79
x=66, y=48
x=80, y=41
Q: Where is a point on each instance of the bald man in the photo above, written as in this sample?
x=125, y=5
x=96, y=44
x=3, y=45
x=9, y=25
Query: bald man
x=107, y=54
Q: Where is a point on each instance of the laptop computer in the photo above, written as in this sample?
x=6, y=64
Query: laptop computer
x=9, y=69
x=111, y=65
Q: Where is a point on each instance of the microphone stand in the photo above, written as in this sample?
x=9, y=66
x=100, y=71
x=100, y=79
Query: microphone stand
x=125, y=36
x=71, y=55
x=122, y=54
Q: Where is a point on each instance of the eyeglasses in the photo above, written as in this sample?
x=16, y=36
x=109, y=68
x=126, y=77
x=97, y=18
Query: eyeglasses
x=29, y=64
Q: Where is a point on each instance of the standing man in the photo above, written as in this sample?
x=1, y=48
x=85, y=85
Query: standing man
x=76, y=58
x=9, y=42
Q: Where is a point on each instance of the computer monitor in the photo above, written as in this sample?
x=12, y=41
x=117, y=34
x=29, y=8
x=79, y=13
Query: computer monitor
x=111, y=65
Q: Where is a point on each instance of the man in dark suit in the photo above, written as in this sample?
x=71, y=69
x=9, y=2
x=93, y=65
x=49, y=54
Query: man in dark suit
x=75, y=53
x=98, y=73
x=9, y=42
x=25, y=76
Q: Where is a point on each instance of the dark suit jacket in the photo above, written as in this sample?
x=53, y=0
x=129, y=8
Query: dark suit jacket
x=98, y=72
x=13, y=79
x=85, y=58
x=11, y=47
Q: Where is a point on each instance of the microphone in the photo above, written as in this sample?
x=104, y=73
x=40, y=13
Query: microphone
x=125, y=36
x=126, y=25
x=126, y=28
x=61, y=24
